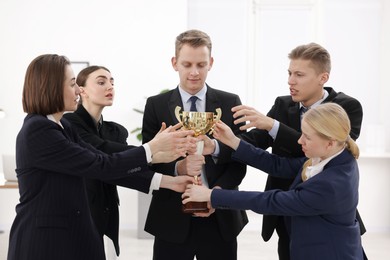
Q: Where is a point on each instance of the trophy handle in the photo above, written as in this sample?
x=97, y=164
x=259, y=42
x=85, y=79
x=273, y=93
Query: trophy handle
x=177, y=113
x=218, y=115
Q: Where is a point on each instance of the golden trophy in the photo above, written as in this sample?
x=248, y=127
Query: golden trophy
x=202, y=123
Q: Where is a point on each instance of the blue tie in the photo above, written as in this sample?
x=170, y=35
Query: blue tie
x=193, y=103
x=303, y=110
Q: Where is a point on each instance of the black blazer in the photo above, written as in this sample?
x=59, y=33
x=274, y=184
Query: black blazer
x=165, y=219
x=53, y=219
x=286, y=111
x=103, y=197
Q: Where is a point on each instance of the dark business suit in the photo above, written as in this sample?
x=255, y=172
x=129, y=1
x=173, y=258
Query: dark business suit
x=110, y=138
x=165, y=219
x=320, y=212
x=286, y=144
x=53, y=220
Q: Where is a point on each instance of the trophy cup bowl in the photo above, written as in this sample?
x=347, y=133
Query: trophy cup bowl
x=201, y=123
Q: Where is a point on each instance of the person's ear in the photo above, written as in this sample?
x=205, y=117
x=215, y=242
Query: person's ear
x=211, y=63
x=82, y=92
x=174, y=63
x=332, y=143
x=324, y=77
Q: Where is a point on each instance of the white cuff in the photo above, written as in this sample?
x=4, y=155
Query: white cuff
x=156, y=181
x=148, y=152
x=274, y=130
x=216, y=150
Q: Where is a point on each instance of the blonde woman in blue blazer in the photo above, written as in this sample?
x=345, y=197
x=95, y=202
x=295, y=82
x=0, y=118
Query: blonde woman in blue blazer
x=320, y=207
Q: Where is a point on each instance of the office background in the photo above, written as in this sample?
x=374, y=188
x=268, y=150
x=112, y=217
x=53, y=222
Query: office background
x=251, y=40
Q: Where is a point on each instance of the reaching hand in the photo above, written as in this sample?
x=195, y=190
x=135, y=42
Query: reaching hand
x=169, y=156
x=208, y=146
x=196, y=193
x=205, y=215
x=176, y=143
x=163, y=127
x=191, y=165
x=251, y=115
x=177, y=183
x=223, y=133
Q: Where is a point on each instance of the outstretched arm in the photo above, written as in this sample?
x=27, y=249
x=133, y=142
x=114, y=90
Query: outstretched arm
x=223, y=133
x=253, y=118
x=178, y=183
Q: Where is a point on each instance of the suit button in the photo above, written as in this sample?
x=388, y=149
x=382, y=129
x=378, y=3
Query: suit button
x=78, y=212
x=106, y=210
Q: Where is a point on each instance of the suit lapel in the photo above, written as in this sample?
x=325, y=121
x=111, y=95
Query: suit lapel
x=86, y=119
x=174, y=101
x=212, y=101
x=294, y=116
x=332, y=95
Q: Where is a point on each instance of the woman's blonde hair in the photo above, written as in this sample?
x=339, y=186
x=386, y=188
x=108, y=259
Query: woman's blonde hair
x=331, y=122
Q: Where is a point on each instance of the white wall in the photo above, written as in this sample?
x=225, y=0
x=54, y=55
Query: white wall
x=135, y=39
x=251, y=42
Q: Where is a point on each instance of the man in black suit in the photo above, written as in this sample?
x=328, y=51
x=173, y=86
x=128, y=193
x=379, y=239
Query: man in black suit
x=280, y=129
x=179, y=235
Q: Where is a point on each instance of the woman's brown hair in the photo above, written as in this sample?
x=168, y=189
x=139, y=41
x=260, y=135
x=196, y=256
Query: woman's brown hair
x=43, y=90
x=84, y=74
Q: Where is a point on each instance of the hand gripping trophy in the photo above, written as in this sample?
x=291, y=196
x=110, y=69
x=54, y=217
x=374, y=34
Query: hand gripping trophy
x=201, y=123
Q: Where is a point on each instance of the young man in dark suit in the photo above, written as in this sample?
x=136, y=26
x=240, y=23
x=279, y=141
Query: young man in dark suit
x=178, y=235
x=280, y=129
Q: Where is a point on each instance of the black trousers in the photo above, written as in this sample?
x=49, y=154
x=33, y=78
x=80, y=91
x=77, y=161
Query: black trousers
x=283, y=241
x=204, y=241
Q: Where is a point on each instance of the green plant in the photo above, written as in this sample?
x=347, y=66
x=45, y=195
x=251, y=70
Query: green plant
x=138, y=130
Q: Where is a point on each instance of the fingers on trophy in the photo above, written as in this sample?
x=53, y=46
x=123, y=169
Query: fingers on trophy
x=201, y=123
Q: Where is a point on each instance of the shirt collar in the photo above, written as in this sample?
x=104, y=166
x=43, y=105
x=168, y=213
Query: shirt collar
x=318, y=165
x=51, y=118
x=99, y=123
x=185, y=95
x=325, y=94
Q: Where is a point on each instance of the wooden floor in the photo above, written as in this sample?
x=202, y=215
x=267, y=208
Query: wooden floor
x=250, y=246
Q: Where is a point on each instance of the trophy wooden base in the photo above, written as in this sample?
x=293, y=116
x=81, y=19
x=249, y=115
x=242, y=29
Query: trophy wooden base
x=195, y=207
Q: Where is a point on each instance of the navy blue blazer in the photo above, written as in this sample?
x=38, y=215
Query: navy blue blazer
x=321, y=212
x=53, y=219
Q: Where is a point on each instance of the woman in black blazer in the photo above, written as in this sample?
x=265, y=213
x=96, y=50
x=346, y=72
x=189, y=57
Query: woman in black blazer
x=53, y=219
x=97, y=91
